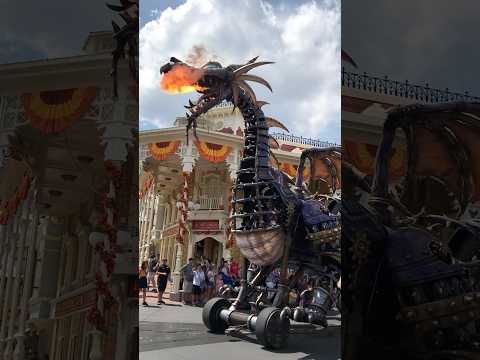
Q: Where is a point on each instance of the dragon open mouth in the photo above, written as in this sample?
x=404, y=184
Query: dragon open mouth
x=214, y=82
x=181, y=78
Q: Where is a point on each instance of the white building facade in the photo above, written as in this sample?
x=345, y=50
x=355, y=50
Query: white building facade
x=68, y=212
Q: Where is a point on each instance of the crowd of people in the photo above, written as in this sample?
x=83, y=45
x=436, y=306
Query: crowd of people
x=200, y=280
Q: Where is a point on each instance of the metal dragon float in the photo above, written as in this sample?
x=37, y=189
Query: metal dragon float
x=278, y=222
x=126, y=39
x=410, y=250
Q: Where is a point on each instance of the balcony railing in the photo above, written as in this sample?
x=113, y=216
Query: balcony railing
x=302, y=140
x=201, y=123
x=210, y=203
x=405, y=90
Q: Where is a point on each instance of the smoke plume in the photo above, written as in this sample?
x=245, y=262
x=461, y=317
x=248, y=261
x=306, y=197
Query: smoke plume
x=199, y=55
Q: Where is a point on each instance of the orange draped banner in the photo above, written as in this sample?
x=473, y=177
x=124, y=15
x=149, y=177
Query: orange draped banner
x=10, y=206
x=291, y=170
x=55, y=111
x=162, y=150
x=213, y=152
x=362, y=156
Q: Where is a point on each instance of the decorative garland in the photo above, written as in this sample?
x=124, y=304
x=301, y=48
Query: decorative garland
x=10, y=207
x=213, y=152
x=162, y=150
x=363, y=157
x=107, y=252
x=147, y=184
x=55, y=111
x=182, y=222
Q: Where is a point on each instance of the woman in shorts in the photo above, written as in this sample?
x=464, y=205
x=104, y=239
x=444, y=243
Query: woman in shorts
x=198, y=280
x=210, y=283
x=142, y=281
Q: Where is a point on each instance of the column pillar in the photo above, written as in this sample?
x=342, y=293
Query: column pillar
x=13, y=240
x=146, y=227
x=187, y=168
x=175, y=294
x=142, y=222
x=158, y=223
x=9, y=245
x=68, y=275
x=3, y=263
x=82, y=254
x=19, y=353
x=24, y=227
x=168, y=212
x=96, y=352
x=148, y=232
x=144, y=216
x=10, y=301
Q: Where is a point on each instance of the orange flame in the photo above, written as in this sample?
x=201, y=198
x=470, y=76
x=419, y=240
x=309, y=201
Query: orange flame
x=181, y=79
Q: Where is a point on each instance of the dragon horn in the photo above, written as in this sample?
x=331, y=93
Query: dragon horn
x=115, y=26
x=348, y=58
x=248, y=90
x=273, y=142
x=255, y=78
x=271, y=122
x=261, y=103
x=127, y=4
x=125, y=16
x=235, y=91
x=252, y=60
x=115, y=7
x=246, y=68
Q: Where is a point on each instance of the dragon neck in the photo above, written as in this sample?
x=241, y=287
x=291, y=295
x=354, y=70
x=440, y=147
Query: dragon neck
x=254, y=189
x=254, y=166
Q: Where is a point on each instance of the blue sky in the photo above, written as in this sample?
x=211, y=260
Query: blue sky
x=301, y=37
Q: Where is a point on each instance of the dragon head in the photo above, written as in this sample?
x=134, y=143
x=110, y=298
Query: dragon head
x=214, y=82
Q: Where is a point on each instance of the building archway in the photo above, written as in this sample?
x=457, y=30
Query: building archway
x=208, y=248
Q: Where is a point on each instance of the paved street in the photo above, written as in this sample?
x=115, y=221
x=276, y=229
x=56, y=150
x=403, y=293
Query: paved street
x=174, y=331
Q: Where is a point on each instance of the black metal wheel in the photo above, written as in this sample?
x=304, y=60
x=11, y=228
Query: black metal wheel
x=211, y=315
x=272, y=331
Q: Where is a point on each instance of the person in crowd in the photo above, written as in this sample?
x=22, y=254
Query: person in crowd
x=205, y=282
x=142, y=281
x=210, y=282
x=198, y=282
x=152, y=264
x=225, y=267
x=234, y=269
x=224, y=273
x=163, y=276
x=221, y=265
x=187, y=275
x=218, y=281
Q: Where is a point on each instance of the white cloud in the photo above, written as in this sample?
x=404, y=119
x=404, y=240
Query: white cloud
x=303, y=40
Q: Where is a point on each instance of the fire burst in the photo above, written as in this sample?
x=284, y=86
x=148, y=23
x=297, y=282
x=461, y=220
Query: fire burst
x=181, y=79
